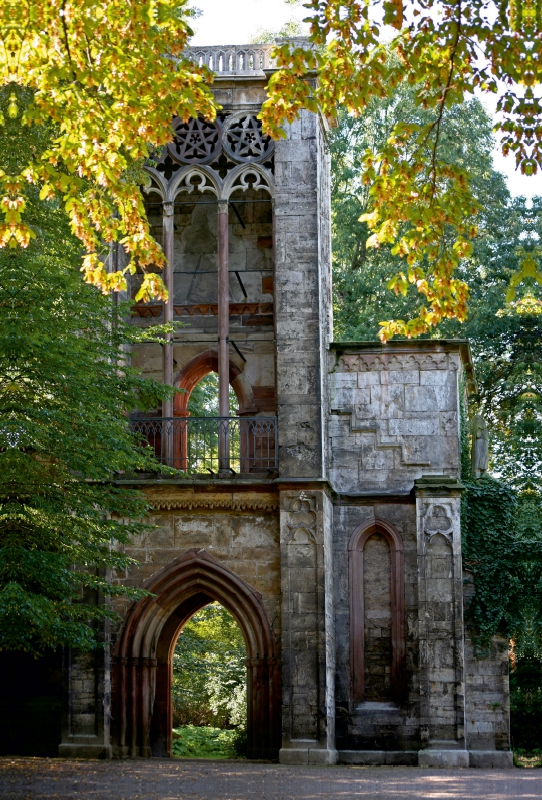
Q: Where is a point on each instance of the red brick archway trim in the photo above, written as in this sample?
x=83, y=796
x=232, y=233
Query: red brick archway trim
x=142, y=671
x=196, y=369
x=357, y=610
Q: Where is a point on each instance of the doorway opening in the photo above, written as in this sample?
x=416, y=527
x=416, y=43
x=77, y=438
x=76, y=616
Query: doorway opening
x=209, y=687
x=143, y=657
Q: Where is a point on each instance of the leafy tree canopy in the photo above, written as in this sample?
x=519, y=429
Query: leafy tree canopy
x=501, y=516
x=65, y=391
x=109, y=75
x=209, y=671
x=421, y=202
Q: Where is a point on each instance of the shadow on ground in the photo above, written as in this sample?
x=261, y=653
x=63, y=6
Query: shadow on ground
x=166, y=779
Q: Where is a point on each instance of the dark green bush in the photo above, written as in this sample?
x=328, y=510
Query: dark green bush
x=526, y=705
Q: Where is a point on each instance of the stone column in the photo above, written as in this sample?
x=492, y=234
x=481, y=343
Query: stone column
x=302, y=274
x=440, y=623
x=167, y=350
x=223, y=336
x=308, y=630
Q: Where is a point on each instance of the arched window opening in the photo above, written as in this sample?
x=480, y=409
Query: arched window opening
x=203, y=400
x=377, y=613
x=209, y=686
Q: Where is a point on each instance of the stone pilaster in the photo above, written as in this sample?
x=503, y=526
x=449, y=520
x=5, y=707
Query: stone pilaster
x=440, y=621
x=86, y=719
x=302, y=296
x=308, y=630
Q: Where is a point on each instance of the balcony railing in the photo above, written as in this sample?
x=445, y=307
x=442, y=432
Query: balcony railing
x=212, y=445
x=249, y=59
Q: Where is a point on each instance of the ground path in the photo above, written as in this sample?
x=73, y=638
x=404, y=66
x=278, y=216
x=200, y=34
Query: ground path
x=180, y=779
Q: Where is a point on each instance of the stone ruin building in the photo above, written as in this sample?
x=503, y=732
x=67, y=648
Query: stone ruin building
x=323, y=511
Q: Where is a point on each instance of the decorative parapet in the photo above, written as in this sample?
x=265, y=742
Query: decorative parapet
x=249, y=60
x=423, y=354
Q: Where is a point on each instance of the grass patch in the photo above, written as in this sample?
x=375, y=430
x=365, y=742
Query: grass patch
x=190, y=741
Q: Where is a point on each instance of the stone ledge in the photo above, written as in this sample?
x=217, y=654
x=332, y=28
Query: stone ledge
x=443, y=758
x=405, y=758
x=305, y=756
x=85, y=751
x=491, y=759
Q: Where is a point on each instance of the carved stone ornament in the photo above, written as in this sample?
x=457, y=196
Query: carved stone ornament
x=188, y=501
x=196, y=141
x=195, y=180
x=303, y=516
x=243, y=139
x=437, y=519
x=480, y=446
x=250, y=180
x=371, y=362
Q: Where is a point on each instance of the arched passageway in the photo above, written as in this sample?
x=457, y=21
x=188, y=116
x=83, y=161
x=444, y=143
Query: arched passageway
x=209, y=688
x=142, y=672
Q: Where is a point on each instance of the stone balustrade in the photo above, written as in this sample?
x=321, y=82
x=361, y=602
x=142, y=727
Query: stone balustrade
x=247, y=59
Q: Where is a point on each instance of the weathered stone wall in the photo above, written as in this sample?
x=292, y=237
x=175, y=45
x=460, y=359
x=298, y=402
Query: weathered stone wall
x=377, y=618
x=394, y=414
x=487, y=698
x=301, y=314
x=308, y=635
x=240, y=529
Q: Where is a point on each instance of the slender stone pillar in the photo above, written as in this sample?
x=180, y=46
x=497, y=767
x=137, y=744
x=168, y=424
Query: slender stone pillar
x=440, y=623
x=308, y=629
x=167, y=350
x=223, y=335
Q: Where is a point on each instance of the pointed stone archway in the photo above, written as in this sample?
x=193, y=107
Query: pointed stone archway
x=142, y=665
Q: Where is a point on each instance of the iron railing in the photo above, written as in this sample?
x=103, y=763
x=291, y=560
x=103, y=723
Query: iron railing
x=211, y=445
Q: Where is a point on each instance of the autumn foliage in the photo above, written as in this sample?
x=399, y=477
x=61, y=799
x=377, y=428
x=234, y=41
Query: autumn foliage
x=421, y=205
x=109, y=75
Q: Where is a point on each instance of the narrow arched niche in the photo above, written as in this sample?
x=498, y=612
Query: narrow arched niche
x=377, y=618
x=377, y=613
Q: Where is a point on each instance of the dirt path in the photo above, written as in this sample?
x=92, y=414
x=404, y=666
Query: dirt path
x=177, y=779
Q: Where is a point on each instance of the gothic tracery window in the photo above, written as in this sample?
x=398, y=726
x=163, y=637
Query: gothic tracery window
x=196, y=141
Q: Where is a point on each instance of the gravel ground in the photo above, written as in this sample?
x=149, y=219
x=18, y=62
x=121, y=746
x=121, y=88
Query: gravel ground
x=190, y=779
